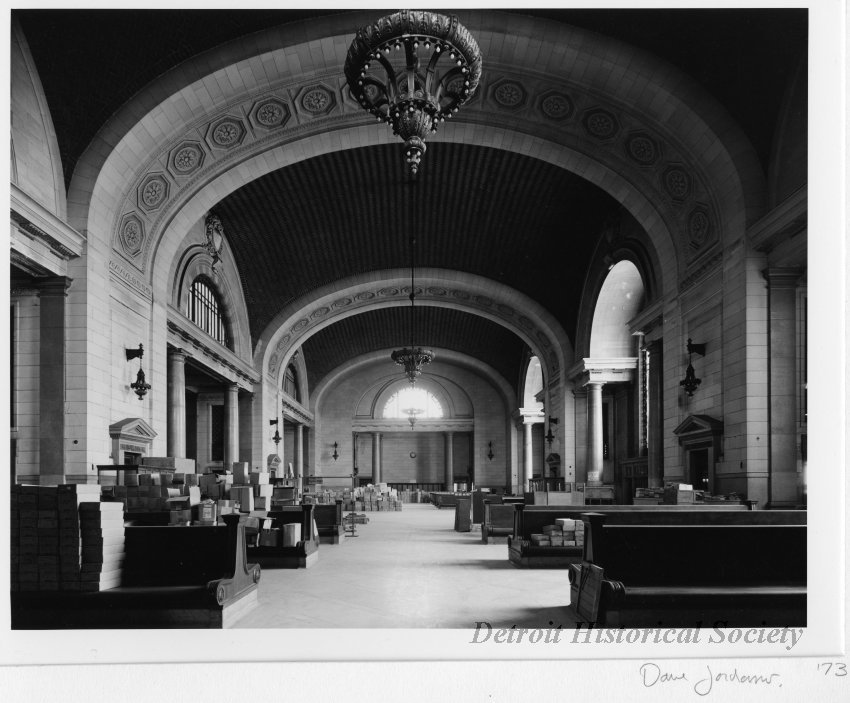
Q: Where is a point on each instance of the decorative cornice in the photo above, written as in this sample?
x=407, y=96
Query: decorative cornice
x=37, y=222
x=614, y=370
x=211, y=350
x=293, y=410
x=444, y=425
x=28, y=265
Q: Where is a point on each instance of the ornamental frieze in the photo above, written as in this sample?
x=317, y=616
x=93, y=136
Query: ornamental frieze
x=561, y=108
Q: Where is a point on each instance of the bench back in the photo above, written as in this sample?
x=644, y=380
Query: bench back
x=500, y=516
x=700, y=517
x=530, y=519
x=707, y=555
x=299, y=514
x=479, y=498
x=328, y=515
x=180, y=556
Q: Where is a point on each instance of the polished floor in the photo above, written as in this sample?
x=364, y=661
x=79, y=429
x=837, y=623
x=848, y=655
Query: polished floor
x=410, y=569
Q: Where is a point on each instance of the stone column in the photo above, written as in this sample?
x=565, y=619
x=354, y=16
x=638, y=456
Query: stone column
x=51, y=388
x=176, y=439
x=655, y=414
x=527, y=454
x=450, y=469
x=299, y=451
x=594, y=434
x=376, y=457
x=782, y=321
x=231, y=425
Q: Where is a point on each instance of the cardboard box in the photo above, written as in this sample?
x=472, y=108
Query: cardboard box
x=291, y=534
x=241, y=472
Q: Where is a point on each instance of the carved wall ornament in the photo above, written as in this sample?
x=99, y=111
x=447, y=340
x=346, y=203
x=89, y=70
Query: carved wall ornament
x=600, y=123
x=699, y=227
x=131, y=235
x=642, y=149
x=153, y=192
x=677, y=183
x=509, y=94
x=388, y=292
x=556, y=106
x=271, y=113
x=342, y=303
x=186, y=158
x=317, y=100
x=226, y=132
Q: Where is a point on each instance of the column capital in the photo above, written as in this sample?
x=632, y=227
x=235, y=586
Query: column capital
x=782, y=276
x=177, y=354
x=54, y=285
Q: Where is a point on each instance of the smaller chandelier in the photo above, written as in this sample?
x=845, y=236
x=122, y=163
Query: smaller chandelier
x=412, y=413
x=412, y=359
x=431, y=66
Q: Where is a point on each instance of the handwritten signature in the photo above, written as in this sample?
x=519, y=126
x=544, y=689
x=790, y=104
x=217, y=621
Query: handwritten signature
x=652, y=674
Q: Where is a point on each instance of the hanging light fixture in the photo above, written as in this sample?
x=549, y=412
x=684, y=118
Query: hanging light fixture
x=690, y=383
x=412, y=358
x=140, y=386
x=413, y=70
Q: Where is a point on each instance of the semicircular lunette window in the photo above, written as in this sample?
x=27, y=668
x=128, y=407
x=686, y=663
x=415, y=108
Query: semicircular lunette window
x=204, y=308
x=399, y=405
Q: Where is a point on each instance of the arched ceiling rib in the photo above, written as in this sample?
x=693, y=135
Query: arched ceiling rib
x=441, y=328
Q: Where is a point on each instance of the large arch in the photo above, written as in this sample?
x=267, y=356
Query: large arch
x=646, y=104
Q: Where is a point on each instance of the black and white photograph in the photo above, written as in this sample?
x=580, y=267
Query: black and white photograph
x=464, y=335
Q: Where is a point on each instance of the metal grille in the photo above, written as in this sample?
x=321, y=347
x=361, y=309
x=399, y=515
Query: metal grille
x=204, y=310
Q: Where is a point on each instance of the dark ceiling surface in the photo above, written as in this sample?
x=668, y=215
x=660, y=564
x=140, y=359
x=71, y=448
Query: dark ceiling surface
x=92, y=61
x=436, y=328
x=507, y=217
x=473, y=209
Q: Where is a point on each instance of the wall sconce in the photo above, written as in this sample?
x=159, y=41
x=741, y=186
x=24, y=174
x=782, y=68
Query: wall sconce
x=140, y=387
x=335, y=455
x=690, y=383
x=276, y=437
x=490, y=454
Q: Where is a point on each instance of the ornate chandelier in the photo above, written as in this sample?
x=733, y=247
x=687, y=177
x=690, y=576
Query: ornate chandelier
x=420, y=86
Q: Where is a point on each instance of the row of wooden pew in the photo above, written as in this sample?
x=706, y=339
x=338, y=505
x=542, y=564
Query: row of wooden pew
x=678, y=565
x=182, y=577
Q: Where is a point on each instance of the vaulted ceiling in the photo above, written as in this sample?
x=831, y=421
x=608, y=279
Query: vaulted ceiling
x=510, y=218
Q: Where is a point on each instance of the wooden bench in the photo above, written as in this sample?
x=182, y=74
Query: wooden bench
x=304, y=554
x=498, y=523
x=743, y=575
x=530, y=519
x=446, y=500
x=172, y=577
x=329, y=522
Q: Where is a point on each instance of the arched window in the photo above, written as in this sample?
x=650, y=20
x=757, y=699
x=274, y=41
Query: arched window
x=533, y=385
x=399, y=405
x=290, y=383
x=204, y=308
x=620, y=299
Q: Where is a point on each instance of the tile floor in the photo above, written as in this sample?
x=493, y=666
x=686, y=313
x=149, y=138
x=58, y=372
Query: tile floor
x=410, y=569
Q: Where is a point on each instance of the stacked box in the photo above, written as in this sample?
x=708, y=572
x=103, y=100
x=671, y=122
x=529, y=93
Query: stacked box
x=68, y=499
x=540, y=540
x=102, y=545
x=244, y=496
